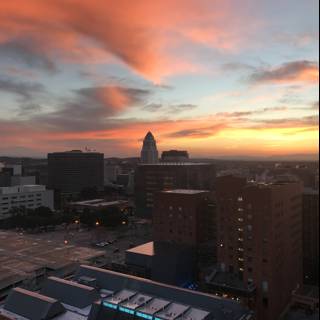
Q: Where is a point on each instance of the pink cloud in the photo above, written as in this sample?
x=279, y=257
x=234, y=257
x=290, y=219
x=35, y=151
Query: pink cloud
x=140, y=34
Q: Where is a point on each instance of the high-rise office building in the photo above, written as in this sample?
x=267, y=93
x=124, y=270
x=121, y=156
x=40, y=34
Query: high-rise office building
x=149, y=152
x=260, y=241
x=150, y=179
x=311, y=236
x=72, y=172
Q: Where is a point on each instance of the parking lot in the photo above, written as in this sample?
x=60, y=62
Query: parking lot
x=113, y=241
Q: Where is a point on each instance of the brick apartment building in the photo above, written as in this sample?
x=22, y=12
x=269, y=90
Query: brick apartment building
x=260, y=240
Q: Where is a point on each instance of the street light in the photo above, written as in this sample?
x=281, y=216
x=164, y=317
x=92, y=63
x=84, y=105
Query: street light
x=97, y=223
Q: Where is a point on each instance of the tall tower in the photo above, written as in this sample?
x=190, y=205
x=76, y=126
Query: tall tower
x=149, y=153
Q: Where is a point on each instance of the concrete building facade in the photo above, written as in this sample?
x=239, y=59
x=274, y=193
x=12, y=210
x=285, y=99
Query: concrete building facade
x=27, y=196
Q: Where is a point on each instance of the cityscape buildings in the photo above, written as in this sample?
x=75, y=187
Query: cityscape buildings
x=152, y=178
x=159, y=160
x=12, y=175
x=97, y=294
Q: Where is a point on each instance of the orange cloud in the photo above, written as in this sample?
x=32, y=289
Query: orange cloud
x=138, y=33
x=202, y=137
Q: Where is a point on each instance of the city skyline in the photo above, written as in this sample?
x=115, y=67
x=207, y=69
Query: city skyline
x=217, y=79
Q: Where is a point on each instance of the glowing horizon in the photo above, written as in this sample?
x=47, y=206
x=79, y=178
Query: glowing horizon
x=216, y=79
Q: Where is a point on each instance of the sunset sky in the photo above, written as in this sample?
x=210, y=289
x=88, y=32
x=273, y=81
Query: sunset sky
x=218, y=78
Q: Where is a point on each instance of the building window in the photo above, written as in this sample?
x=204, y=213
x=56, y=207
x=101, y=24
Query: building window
x=265, y=286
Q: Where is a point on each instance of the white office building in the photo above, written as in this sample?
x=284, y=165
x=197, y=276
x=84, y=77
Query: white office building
x=27, y=196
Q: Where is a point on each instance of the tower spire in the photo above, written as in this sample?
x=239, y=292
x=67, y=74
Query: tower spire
x=149, y=152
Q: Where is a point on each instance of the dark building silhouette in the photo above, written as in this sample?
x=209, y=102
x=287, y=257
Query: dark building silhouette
x=259, y=242
x=311, y=237
x=149, y=152
x=5, y=177
x=150, y=179
x=175, y=156
x=74, y=171
x=163, y=261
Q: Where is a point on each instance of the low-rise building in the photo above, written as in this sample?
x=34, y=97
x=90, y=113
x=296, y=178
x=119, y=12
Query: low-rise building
x=27, y=196
x=98, y=204
x=97, y=294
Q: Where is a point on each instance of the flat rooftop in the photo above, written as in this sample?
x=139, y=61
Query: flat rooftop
x=145, y=249
x=100, y=203
x=301, y=315
x=167, y=302
x=228, y=280
x=22, y=189
x=131, y=295
x=23, y=255
x=161, y=164
x=184, y=191
x=308, y=291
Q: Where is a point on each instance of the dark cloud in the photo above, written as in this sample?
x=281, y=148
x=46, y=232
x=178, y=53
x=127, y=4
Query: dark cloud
x=236, y=66
x=295, y=71
x=179, y=108
x=25, y=90
x=309, y=121
x=198, y=132
x=90, y=108
x=29, y=109
x=27, y=52
x=174, y=109
x=239, y=114
x=152, y=107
